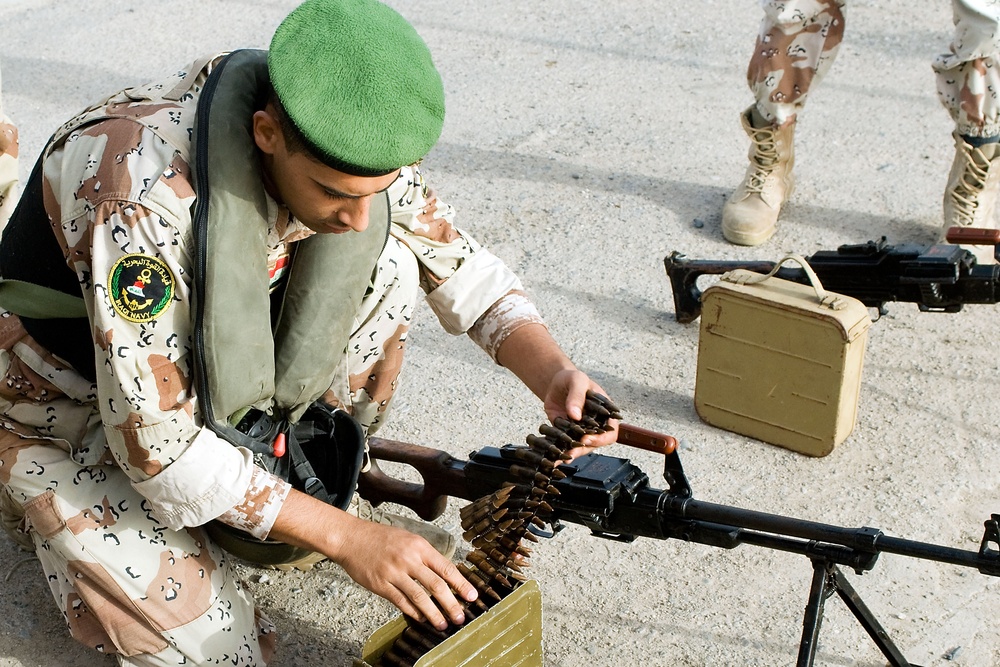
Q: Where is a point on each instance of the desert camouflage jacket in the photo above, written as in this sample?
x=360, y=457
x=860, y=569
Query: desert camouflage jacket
x=118, y=189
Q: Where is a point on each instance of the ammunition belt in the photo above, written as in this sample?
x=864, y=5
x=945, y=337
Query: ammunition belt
x=497, y=525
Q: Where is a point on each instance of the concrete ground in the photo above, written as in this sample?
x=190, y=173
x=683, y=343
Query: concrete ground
x=584, y=142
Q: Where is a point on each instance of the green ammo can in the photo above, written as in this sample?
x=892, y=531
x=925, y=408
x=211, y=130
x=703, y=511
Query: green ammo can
x=508, y=635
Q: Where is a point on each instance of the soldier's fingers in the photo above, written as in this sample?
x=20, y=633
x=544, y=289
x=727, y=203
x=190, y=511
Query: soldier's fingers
x=577, y=452
x=576, y=398
x=595, y=440
x=421, y=600
x=442, y=591
x=453, y=578
x=401, y=602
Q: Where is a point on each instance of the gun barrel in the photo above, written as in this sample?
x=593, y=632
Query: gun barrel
x=750, y=526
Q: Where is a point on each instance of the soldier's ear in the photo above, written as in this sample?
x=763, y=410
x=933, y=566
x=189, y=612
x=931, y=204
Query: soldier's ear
x=267, y=131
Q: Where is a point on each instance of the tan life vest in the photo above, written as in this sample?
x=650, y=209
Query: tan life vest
x=241, y=363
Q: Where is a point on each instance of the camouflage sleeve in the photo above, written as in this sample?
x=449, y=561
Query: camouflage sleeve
x=259, y=509
x=462, y=279
x=503, y=318
x=122, y=197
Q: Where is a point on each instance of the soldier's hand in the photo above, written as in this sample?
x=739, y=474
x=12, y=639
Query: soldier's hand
x=400, y=566
x=565, y=398
x=407, y=571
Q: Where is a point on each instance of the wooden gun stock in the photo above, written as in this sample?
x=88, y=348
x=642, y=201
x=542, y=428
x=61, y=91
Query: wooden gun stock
x=443, y=475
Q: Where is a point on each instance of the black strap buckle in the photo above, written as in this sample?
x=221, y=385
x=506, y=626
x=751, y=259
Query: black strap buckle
x=314, y=487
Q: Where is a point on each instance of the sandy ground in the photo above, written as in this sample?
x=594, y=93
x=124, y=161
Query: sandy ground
x=584, y=142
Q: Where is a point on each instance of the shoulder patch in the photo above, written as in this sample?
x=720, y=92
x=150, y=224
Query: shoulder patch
x=140, y=287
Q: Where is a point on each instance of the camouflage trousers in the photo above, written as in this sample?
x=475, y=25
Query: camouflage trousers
x=124, y=583
x=798, y=40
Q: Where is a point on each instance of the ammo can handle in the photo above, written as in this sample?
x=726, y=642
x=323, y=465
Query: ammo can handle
x=832, y=301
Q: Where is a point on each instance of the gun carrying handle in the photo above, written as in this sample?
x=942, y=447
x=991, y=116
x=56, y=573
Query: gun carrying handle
x=972, y=236
x=801, y=261
x=376, y=487
x=641, y=438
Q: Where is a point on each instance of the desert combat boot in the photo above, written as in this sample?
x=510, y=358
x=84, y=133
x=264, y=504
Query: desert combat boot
x=971, y=195
x=750, y=215
x=439, y=538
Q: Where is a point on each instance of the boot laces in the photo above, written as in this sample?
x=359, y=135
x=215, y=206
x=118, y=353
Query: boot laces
x=363, y=509
x=965, y=195
x=764, y=159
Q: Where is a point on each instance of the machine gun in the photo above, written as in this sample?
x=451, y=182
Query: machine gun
x=615, y=500
x=938, y=278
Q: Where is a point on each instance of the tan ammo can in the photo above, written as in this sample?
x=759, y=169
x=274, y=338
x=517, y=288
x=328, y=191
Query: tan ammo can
x=780, y=361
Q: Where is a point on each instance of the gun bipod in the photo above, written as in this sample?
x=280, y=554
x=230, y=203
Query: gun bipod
x=827, y=580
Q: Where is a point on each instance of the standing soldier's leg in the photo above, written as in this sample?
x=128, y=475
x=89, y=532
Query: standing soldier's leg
x=797, y=43
x=8, y=165
x=125, y=584
x=968, y=81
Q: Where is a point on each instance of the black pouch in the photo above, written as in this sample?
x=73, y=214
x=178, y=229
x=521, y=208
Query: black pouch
x=323, y=451
x=323, y=457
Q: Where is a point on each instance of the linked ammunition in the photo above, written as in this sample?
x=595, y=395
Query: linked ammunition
x=416, y=637
x=494, y=501
x=571, y=428
x=484, y=515
x=408, y=650
x=546, y=447
x=559, y=436
x=530, y=456
x=530, y=474
x=596, y=408
x=391, y=659
x=495, y=525
x=478, y=582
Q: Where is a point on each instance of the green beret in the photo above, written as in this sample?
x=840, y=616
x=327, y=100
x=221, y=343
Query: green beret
x=358, y=83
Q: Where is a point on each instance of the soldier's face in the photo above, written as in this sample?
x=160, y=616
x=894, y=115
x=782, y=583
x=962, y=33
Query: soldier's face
x=323, y=199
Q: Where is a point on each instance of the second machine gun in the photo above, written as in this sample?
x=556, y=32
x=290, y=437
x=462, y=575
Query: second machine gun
x=615, y=500
x=938, y=278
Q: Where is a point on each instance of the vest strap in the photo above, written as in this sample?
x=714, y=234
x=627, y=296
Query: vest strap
x=38, y=302
x=246, y=355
